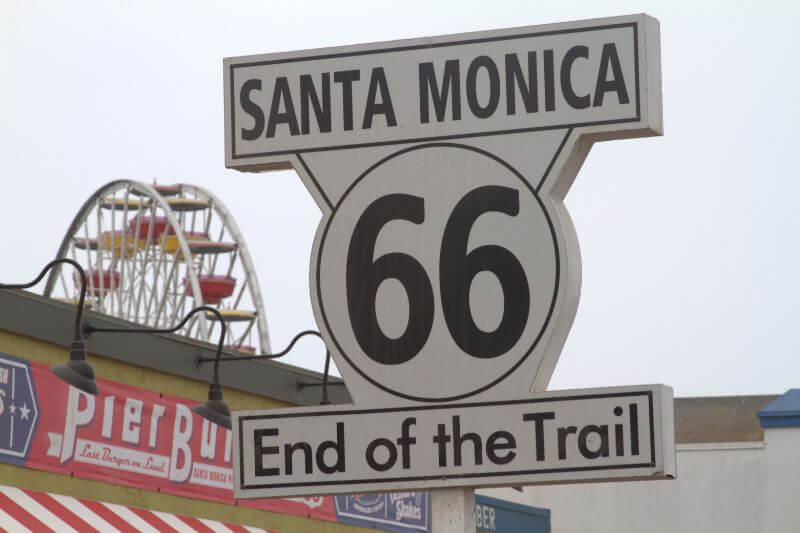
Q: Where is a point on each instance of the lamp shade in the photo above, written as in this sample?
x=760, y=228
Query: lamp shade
x=78, y=372
x=215, y=409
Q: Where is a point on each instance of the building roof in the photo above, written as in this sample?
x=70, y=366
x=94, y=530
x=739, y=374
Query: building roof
x=782, y=412
x=50, y=320
x=719, y=419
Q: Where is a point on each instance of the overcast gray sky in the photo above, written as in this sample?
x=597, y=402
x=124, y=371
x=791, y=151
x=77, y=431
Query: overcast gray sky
x=689, y=241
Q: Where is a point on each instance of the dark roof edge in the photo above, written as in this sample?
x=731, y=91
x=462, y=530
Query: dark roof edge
x=52, y=321
x=728, y=396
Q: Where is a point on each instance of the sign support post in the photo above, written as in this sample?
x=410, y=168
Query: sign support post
x=453, y=510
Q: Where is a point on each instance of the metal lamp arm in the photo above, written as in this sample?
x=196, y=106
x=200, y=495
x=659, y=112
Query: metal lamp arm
x=51, y=264
x=88, y=329
x=266, y=355
x=325, y=399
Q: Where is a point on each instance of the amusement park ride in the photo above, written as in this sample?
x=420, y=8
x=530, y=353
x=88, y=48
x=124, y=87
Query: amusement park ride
x=153, y=252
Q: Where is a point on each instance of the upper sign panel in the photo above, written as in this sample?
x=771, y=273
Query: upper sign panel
x=445, y=266
x=525, y=79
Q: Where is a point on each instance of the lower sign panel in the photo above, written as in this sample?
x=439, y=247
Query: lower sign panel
x=620, y=433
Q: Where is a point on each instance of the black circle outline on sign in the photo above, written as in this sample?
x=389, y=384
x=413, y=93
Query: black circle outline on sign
x=552, y=301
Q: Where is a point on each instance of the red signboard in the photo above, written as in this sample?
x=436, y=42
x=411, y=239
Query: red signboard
x=125, y=435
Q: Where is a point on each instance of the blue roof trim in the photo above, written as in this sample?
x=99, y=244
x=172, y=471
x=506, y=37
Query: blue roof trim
x=500, y=516
x=512, y=506
x=783, y=412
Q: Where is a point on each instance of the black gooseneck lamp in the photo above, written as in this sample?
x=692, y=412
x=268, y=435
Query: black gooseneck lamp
x=215, y=409
x=216, y=387
x=77, y=372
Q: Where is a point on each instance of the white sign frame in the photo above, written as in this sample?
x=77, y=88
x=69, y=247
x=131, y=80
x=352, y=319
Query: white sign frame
x=329, y=162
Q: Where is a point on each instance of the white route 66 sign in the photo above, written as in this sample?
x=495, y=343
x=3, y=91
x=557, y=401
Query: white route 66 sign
x=445, y=266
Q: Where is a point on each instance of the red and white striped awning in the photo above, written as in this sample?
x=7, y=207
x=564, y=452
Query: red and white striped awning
x=28, y=510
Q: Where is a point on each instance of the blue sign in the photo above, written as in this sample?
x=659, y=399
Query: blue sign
x=400, y=512
x=19, y=410
x=493, y=515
